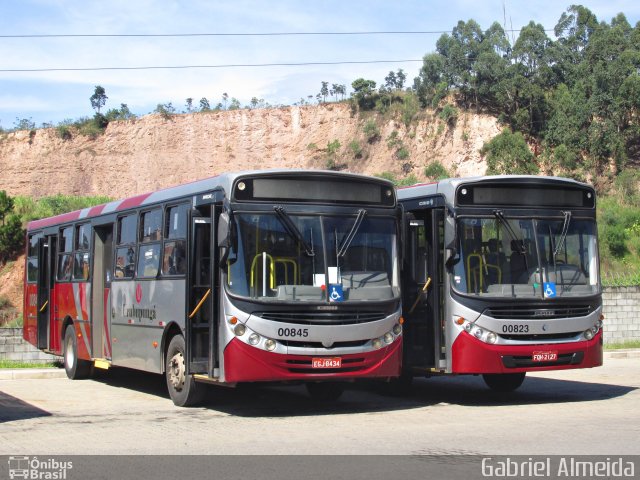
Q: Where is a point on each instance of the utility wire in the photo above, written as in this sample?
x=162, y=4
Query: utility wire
x=178, y=67
x=245, y=34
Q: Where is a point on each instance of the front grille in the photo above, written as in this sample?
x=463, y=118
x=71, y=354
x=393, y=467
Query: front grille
x=512, y=361
x=513, y=312
x=543, y=336
x=298, y=344
x=322, y=318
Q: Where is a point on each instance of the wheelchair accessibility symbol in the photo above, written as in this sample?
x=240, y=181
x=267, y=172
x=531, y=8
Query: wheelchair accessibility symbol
x=335, y=293
x=549, y=289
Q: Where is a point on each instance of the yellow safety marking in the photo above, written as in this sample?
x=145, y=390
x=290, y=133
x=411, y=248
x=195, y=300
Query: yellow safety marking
x=44, y=306
x=101, y=363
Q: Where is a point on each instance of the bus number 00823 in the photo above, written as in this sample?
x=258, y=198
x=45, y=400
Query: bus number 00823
x=293, y=332
x=515, y=329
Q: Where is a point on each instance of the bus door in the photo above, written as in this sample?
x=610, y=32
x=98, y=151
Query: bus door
x=101, y=287
x=424, y=347
x=201, y=294
x=46, y=259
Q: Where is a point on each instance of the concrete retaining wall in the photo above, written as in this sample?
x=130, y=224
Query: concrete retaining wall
x=13, y=347
x=621, y=307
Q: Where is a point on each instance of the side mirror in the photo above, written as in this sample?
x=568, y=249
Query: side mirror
x=451, y=235
x=224, y=232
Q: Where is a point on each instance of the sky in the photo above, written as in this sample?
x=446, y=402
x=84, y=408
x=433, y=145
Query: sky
x=53, y=96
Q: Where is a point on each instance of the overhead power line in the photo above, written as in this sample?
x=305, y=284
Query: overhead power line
x=228, y=65
x=240, y=34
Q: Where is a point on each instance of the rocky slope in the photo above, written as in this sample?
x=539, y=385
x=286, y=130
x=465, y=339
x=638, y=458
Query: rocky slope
x=153, y=152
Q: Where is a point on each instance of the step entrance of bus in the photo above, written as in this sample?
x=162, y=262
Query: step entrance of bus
x=200, y=340
x=101, y=287
x=424, y=332
x=46, y=260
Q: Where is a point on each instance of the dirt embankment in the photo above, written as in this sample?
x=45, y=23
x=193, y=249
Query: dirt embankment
x=152, y=152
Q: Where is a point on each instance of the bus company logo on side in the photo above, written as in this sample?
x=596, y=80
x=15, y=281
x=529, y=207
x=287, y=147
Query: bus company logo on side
x=138, y=293
x=33, y=300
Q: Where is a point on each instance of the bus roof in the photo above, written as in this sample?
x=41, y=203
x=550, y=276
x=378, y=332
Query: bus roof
x=223, y=181
x=447, y=187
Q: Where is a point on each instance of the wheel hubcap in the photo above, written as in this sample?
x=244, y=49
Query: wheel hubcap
x=176, y=371
x=69, y=353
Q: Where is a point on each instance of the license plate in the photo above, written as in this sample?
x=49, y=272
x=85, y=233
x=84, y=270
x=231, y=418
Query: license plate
x=332, y=362
x=549, y=356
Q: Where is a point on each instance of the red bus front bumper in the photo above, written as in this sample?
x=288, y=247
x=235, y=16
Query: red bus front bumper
x=244, y=363
x=470, y=355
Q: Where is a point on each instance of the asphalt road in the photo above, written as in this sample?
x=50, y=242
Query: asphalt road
x=573, y=412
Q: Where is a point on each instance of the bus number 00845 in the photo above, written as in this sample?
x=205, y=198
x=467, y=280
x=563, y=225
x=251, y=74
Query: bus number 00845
x=515, y=329
x=293, y=332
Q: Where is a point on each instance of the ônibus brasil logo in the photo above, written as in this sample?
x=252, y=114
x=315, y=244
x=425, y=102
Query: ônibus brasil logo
x=34, y=468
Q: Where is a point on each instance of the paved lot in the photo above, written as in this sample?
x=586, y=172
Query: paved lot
x=125, y=412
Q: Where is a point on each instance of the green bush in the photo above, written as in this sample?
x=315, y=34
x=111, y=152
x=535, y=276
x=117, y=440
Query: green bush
x=449, y=114
x=356, y=148
x=436, y=171
x=371, y=131
x=402, y=153
x=508, y=152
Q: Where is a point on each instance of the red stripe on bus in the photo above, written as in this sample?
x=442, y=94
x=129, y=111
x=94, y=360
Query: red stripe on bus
x=133, y=201
x=46, y=222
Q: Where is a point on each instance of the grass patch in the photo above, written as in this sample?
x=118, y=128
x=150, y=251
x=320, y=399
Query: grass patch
x=622, y=345
x=18, y=364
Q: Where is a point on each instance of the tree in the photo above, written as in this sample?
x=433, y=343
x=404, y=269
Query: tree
x=324, y=91
x=98, y=99
x=363, y=93
x=204, y=105
x=225, y=97
x=11, y=232
x=401, y=77
x=189, y=105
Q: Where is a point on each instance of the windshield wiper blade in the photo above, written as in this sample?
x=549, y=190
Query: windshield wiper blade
x=499, y=214
x=563, y=235
x=292, y=230
x=346, y=241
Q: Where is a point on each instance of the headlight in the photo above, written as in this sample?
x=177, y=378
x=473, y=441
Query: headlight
x=254, y=338
x=397, y=329
x=270, y=345
x=376, y=343
x=478, y=332
x=491, y=337
x=239, y=329
x=588, y=334
x=388, y=337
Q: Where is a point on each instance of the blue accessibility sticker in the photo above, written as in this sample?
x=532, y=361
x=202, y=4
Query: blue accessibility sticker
x=549, y=289
x=335, y=292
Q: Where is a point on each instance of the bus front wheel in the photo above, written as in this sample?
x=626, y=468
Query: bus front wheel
x=183, y=389
x=325, y=391
x=73, y=366
x=503, y=382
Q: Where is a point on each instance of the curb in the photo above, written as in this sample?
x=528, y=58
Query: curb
x=31, y=373
x=623, y=353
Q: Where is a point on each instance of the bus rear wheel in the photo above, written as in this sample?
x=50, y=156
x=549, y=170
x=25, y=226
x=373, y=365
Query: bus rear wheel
x=503, y=382
x=74, y=367
x=325, y=391
x=183, y=389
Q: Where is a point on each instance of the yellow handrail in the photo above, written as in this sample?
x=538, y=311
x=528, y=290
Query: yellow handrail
x=200, y=303
x=424, y=289
x=272, y=270
x=44, y=306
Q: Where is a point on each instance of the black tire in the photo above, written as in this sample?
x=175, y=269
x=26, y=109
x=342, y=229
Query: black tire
x=325, y=391
x=503, y=382
x=400, y=386
x=183, y=389
x=75, y=368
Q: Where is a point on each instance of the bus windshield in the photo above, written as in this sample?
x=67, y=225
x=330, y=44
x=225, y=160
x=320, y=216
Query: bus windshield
x=543, y=258
x=285, y=257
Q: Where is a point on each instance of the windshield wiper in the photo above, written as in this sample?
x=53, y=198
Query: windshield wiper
x=563, y=235
x=292, y=230
x=346, y=241
x=499, y=214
